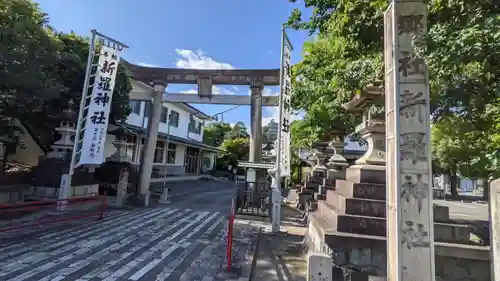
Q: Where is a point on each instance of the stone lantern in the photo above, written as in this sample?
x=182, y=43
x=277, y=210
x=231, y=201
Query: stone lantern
x=370, y=102
x=336, y=163
x=122, y=143
x=46, y=177
x=320, y=154
x=63, y=147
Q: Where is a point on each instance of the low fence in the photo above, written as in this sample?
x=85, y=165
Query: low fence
x=27, y=215
x=253, y=199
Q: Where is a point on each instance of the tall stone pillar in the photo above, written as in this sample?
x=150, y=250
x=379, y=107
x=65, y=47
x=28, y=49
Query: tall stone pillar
x=410, y=235
x=150, y=145
x=256, y=122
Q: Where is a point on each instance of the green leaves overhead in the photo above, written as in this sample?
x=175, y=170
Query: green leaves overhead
x=462, y=52
x=41, y=70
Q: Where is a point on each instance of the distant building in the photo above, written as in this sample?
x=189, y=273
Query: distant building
x=270, y=131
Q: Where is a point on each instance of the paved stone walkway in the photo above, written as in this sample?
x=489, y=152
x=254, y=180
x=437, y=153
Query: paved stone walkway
x=164, y=243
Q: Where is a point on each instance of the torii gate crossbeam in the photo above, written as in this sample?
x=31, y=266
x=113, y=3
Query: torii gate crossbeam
x=156, y=81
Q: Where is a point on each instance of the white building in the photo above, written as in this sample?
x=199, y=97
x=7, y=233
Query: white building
x=272, y=131
x=185, y=153
x=185, y=156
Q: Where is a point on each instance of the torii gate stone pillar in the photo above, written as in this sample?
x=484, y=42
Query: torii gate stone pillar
x=256, y=122
x=150, y=145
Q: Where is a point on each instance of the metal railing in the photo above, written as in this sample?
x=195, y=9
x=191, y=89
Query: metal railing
x=28, y=215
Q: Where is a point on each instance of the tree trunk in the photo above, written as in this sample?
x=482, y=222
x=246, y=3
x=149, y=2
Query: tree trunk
x=454, y=182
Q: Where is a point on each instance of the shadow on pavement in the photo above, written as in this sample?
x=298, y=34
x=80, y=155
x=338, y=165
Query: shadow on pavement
x=282, y=256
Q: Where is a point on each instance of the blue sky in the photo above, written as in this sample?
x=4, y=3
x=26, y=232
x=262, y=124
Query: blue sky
x=241, y=34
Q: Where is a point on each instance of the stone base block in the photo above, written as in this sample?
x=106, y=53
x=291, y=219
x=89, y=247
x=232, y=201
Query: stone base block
x=441, y=213
x=360, y=190
x=366, y=174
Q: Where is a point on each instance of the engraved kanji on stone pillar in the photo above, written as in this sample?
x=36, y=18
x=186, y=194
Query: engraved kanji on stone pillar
x=410, y=239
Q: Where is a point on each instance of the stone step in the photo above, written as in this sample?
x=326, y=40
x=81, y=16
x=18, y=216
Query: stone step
x=304, y=190
x=356, y=206
x=329, y=182
x=323, y=189
x=373, y=208
x=314, y=179
x=319, y=196
x=368, y=253
x=312, y=185
x=360, y=190
x=376, y=226
x=351, y=223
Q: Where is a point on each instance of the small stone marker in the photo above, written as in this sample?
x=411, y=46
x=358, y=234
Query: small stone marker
x=319, y=267
x=122, y=186
x=63, y=193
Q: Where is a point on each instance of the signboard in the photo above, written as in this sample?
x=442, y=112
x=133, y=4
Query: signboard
x=285, y=106
x=96, y=123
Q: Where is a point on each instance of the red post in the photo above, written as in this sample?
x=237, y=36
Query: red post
x=230, y=236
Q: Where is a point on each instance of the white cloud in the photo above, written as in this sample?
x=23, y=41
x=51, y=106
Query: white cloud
x=269, y=92
x=191, y=91
x=198, y=60
x=215, y=91
x=147, y=64
x=266, y=92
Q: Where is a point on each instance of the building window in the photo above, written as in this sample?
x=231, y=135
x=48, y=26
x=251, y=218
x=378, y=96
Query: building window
x=135, y=106
x=174, y=118
x=171, y=153
x=195, y=126
x=164, y=115
x=159, y=151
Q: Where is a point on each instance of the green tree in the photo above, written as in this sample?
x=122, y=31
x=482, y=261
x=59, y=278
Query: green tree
x=27, y=54
x=70, y=72
x=234, y=150
x=40, y=71
x=239, y=130
x=215, y=133
x=462, y=50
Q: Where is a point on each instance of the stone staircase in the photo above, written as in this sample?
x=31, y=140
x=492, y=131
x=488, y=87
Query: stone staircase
x=348, y=221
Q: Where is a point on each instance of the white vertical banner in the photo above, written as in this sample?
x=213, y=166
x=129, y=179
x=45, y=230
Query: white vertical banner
x=96, y=122
x=285, y=107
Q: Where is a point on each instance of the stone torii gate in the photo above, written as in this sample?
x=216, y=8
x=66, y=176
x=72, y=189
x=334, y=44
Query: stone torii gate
x=160, y=78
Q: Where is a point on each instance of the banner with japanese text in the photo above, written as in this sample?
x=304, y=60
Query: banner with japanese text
x=285, y=106
x=96, y=123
